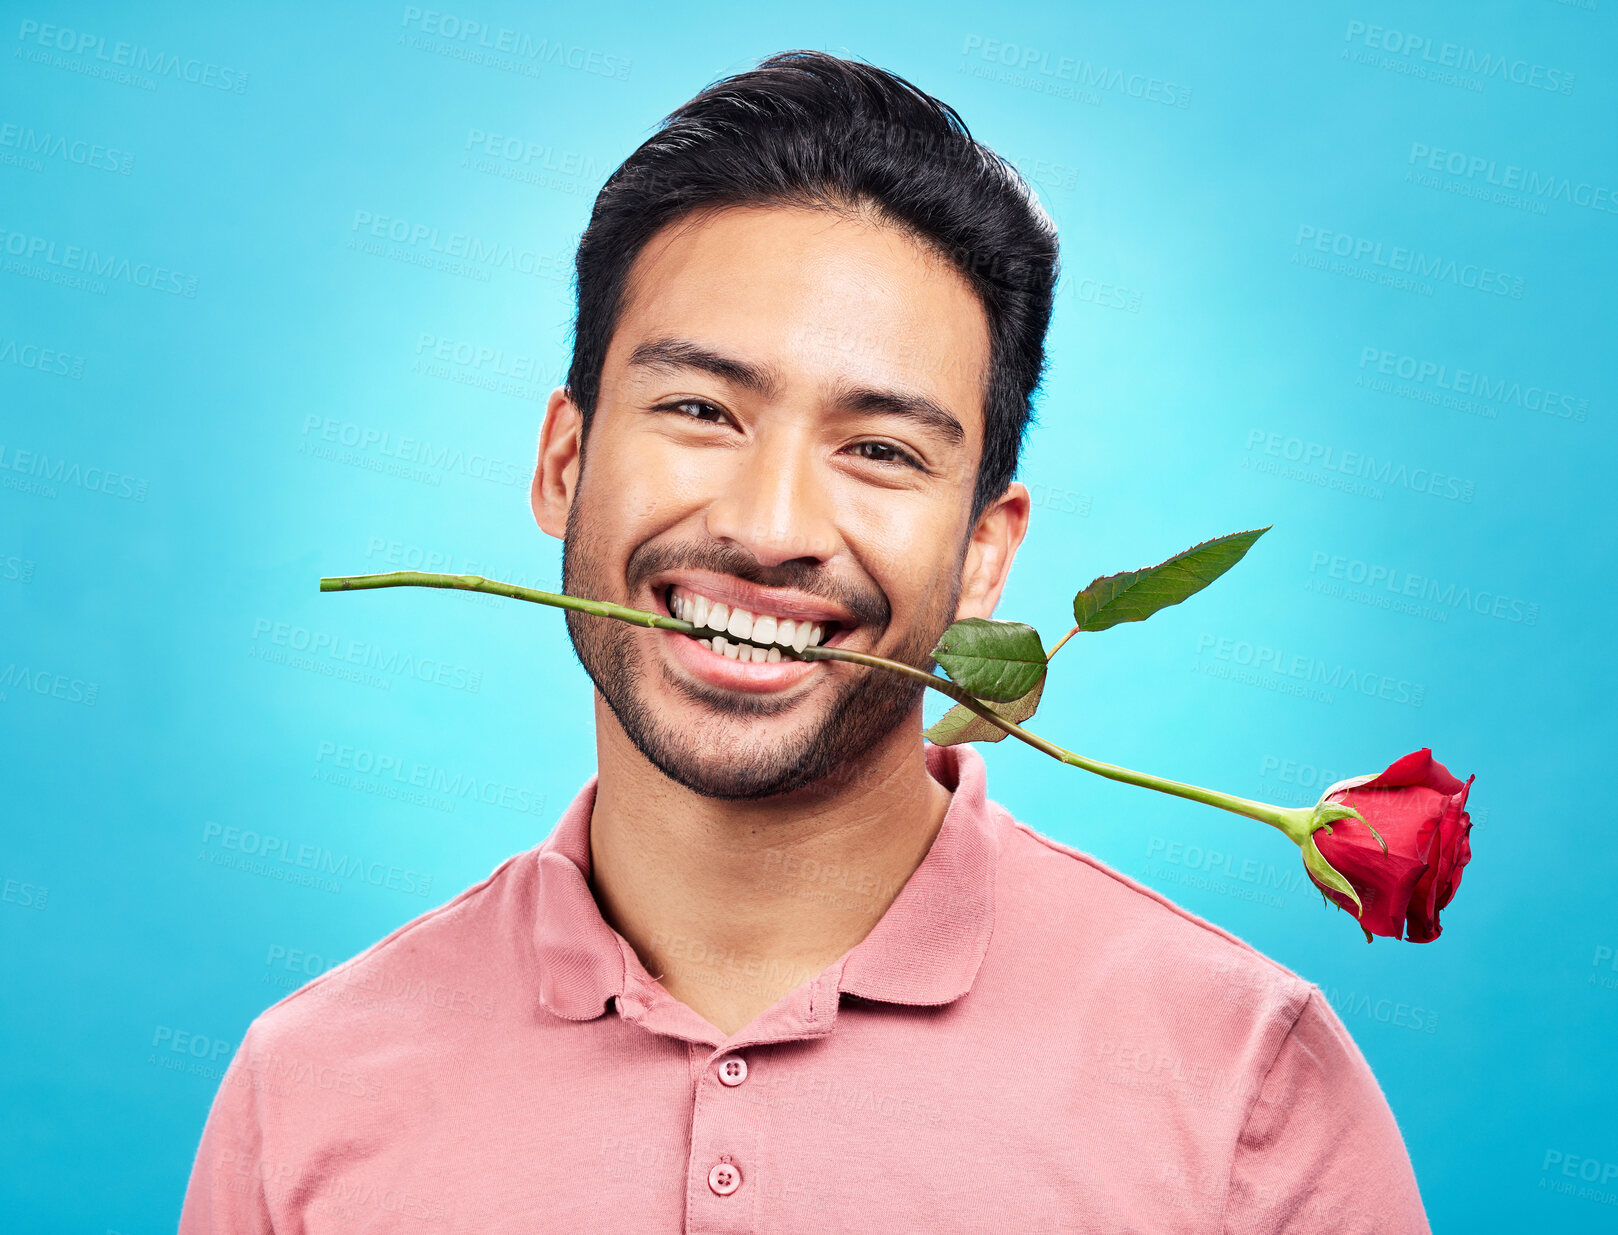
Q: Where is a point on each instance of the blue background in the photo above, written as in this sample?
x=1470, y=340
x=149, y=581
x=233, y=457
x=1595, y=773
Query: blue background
x=186, y=452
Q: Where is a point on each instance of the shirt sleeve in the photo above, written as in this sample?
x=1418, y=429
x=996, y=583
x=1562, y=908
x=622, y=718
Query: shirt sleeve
x=226, y=1195
x=1320, y=1150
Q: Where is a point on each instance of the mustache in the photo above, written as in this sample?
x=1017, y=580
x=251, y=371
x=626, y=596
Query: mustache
x=868, y=605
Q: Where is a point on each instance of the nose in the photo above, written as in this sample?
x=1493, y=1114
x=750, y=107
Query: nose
x=776, y=503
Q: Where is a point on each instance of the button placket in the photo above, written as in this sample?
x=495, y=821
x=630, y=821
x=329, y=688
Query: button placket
x=728, y=1158
x=731, y=1155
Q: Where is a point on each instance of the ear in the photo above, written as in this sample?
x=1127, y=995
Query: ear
x=556, y=474
x=994, y=543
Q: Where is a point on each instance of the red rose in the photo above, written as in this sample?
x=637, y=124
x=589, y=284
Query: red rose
x=1420, y=811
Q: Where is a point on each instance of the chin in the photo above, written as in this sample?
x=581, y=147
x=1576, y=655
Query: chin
x=723, y=780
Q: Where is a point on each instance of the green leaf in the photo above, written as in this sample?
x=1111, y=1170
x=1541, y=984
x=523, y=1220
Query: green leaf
x=1134, y=595
x=1329, y=875
x=962, y=724
x=996, y=661
x=1331, y=812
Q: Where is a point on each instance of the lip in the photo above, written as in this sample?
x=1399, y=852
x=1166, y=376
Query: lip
x=719, y=670
x=739, y=594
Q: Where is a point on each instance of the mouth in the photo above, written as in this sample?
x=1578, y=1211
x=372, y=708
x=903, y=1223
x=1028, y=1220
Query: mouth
x=749, y=649
x=743, y=635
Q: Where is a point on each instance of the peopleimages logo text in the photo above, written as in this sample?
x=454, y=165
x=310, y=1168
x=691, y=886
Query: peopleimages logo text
x=1083, y=73
x=1421, y=48
x=99, y=265
x=1362, y=466
x=134, y=56
x=275, y=849
x=41, y=359
x=1425, y=587
x=61, y=471
x=1311, y=669
x=516, y=43
x=528, y=153
x=79, y=151
x=1410, y=261
x=1471, y=382
x=414, y=450
x=462, y=245
x=407, y=771
x=317, y=643
x=1542, y=185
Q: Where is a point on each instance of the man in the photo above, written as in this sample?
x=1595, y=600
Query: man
x=782, y=966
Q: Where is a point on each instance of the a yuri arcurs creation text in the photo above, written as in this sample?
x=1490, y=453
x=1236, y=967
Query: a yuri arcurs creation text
x=1387, y=847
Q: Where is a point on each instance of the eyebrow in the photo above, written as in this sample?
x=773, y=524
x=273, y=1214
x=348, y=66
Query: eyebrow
x=683, y=354
x=668, y=354
x=918, y=408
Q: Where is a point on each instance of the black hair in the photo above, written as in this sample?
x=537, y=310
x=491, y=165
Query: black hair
x=809, y=129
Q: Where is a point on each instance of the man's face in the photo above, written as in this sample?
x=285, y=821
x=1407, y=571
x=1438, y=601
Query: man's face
x=789, y=423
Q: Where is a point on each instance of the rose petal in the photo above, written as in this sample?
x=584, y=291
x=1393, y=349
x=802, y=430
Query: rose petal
x=1406, y=816
x=1384, y=882
x=1417, y=768
x=1453, y=852
x=1418, y=807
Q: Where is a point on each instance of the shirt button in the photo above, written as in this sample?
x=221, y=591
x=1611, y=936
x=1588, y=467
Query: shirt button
x=733, y=1069
x=724, y=1178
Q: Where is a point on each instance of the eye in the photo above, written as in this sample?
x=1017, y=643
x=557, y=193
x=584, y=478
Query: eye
x=887, y=452
x=681, y=406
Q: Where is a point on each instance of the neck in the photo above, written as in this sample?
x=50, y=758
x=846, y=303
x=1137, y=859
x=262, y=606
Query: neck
x=734, y=904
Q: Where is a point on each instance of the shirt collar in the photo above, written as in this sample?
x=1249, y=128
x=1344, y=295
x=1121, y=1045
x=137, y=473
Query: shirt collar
x=925, y=950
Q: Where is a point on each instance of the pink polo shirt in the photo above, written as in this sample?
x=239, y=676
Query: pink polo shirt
x=1027, y=1041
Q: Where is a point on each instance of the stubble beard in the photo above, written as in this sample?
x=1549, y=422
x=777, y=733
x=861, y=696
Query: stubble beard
x=867, y=705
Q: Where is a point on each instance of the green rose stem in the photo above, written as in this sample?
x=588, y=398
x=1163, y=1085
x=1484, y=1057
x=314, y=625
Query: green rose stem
x=1299, y=824
x=1061, y=641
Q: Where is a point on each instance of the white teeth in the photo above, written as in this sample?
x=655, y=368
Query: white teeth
x=742, y=653
x=761, y=629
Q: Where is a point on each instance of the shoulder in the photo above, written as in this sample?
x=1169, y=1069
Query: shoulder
x=1096, y=920
x=445, y=963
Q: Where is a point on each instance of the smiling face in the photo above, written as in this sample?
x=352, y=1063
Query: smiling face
x=788, y=428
